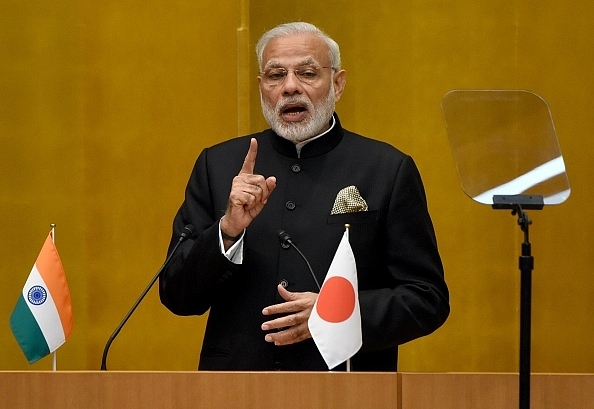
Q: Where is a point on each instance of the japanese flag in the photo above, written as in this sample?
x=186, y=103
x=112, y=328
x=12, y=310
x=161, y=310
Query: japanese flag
x=335, y=322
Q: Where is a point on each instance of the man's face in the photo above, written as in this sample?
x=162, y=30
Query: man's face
x=296, y=107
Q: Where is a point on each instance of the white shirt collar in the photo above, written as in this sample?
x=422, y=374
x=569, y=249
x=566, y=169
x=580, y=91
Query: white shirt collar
x=300, y=145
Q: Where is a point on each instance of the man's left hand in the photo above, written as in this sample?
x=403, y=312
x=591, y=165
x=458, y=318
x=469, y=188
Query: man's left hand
x=293, y=327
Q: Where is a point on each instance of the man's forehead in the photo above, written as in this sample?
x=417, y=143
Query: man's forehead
x=296, y=49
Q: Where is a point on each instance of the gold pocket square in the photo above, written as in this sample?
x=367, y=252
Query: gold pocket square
x=349, y=200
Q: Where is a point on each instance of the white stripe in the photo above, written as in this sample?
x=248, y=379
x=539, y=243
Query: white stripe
x=524, y=182
x=46, y=314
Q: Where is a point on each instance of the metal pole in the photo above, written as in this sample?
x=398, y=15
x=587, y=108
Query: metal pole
x=526, y=264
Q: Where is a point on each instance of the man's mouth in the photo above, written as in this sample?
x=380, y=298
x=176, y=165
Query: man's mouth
x=293, y=112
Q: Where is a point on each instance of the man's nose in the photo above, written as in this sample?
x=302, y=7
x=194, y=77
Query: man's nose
x=292, y=85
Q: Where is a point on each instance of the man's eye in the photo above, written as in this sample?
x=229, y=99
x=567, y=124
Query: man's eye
x=309, y=74
x=276, y=75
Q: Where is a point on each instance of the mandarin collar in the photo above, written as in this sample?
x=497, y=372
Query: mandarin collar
x=319, y=146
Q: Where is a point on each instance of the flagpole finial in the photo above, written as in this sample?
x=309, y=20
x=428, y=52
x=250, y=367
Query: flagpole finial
x=53, y=225
x=347, y=226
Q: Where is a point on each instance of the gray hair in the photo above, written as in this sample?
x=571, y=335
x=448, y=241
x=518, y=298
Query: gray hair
x=290, y=29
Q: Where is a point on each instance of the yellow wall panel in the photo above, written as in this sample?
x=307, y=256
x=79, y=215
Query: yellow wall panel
x=105, y=107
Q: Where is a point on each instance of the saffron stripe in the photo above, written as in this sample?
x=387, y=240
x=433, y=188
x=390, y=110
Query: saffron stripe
x=51, y=271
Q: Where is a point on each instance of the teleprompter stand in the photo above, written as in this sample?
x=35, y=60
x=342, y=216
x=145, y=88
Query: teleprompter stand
x=517, y=204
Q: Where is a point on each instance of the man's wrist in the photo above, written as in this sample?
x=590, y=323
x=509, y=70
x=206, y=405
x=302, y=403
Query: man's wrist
x=225, y=236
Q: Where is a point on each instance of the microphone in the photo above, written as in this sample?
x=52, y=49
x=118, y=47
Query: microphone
x=187, y=232
x=286, y=242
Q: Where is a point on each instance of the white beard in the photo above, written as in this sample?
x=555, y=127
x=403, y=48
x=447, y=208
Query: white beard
x=319, y=117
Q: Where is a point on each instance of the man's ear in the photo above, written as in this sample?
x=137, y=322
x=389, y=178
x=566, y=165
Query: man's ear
x=339, y=83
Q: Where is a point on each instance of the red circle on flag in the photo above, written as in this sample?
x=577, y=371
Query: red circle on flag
x=336, y=302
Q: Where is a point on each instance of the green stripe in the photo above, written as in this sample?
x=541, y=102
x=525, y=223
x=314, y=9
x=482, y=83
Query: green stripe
x=27, y=332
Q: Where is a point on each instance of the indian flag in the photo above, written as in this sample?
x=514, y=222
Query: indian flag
x=42, y=318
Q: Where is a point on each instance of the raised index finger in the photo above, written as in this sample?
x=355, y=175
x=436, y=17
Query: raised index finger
x=250, y=159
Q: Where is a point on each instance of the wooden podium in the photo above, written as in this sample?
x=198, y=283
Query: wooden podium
x=287, y=390
x=494, y=391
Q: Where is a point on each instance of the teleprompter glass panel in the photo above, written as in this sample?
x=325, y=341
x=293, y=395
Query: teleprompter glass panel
x=504, y=143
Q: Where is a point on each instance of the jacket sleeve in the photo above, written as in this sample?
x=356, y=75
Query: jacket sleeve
x=416, y=302
x=198, y=270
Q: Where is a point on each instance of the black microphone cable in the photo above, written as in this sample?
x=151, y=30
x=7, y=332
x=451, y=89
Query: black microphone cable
x=286, y=242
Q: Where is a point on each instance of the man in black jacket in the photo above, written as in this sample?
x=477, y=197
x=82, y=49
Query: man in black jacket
x=243, y=191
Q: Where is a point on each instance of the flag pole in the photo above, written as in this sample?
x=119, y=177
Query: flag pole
x=348, y=362
x=54, y=358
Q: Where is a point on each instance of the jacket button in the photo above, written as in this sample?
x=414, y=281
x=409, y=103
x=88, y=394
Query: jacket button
x=284, y=283
x=296, y=168
x=290, y=205
x=278, y=366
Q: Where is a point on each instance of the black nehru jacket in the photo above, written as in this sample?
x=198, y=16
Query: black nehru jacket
x=402, y=291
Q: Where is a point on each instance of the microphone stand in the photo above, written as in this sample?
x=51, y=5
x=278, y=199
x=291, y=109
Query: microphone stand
x=187, y=232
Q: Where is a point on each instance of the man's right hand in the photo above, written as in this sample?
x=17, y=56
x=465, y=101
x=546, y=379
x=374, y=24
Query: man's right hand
x=249, y=194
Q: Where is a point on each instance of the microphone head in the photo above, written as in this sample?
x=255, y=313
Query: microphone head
x=284, y=238
x=187, y=231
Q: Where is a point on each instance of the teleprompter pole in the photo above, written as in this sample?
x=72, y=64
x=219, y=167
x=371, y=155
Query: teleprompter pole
x=526, y=264
x=517, y=203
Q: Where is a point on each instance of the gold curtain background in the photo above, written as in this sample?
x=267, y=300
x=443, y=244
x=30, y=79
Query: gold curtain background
x=105, y=105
